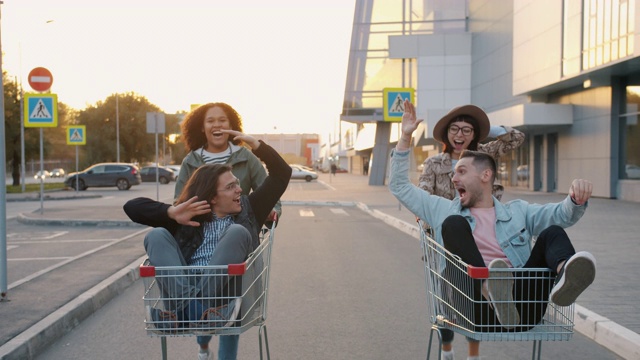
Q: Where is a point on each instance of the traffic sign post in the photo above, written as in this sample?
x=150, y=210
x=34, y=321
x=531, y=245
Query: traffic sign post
x=40, y=110
x=77, y=135
x=40, y=79
x=393, y=102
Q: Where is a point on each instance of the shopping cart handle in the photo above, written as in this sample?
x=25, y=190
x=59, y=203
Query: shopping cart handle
x=147, y=270
x=237, y=269
x=478, y=272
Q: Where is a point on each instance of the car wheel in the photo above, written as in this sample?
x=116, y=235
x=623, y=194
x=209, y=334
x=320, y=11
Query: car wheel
x=79, y=186
x=163, y=180
x=308, y=178
x=123, y=184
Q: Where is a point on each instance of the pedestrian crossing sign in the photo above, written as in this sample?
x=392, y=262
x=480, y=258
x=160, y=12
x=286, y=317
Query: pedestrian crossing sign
x=76, y=135
x=40, y=110
x=393, y=102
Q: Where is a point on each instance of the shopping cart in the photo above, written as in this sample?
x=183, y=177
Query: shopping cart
x=247, y=283
x=457, y=301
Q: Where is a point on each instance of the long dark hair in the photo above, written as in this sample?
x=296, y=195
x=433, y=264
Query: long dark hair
x=447, y=147
x=203, y=184
x=192, y=124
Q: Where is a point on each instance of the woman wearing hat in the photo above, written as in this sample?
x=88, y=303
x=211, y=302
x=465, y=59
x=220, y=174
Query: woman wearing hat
x=464, y=128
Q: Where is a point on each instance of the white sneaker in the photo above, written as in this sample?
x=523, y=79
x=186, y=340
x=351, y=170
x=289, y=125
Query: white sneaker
x=575, y=277
x=500, y=288
x=207, y=355
x=447, y=355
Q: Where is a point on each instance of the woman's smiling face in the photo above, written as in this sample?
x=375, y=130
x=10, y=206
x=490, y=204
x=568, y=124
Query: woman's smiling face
x=458, y=140
x=215, y=120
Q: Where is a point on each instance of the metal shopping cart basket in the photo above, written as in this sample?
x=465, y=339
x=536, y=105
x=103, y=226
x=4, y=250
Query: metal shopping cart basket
x=248, y=282
x=456, y=301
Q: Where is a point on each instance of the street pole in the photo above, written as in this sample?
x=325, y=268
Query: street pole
x=23, y=176
x=117, y=130
x=3, y=184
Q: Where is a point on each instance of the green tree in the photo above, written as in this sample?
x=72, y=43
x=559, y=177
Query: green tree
x=136, y=145
x=12, y=131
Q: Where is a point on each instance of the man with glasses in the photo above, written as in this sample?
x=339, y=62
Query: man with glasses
x=212, y=223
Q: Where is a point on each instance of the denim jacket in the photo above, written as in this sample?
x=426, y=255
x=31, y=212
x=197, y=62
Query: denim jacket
x=516, y=221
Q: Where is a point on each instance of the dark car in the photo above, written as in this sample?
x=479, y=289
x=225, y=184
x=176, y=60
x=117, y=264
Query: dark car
x=121, y=175
x=165, y=175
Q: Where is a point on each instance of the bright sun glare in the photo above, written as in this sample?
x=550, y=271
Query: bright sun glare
x=281, y=63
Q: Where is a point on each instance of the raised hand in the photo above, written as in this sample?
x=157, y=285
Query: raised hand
x=184, y=212
x=409, y=119
x=580, y=191
x=247, y=139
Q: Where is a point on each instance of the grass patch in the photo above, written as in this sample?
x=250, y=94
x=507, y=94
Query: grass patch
x=34, y=188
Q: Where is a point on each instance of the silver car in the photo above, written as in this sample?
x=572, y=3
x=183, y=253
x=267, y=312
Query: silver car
x=300, y=173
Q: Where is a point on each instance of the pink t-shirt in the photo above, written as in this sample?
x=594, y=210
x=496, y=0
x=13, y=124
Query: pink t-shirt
x=485, y=235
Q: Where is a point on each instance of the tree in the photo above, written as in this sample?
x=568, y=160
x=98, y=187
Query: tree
x=136, y=145
x=12, y=131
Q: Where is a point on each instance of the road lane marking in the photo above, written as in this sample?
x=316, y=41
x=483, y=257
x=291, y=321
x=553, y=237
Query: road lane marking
x=32, y=235
x=306, y=213
x=40, y=258
x=338, y=211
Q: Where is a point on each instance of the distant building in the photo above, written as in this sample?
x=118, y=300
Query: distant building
x=566, y=73
x=300, y=149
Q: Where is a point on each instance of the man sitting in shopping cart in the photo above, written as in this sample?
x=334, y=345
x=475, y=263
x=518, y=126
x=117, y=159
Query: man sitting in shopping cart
x=482, y=232
x=211, y=224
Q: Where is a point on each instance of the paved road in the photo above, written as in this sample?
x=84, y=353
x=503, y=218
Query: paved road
x=344, y=286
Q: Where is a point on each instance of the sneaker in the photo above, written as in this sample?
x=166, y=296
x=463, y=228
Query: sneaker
x=501, y=294
x=575, y=276
x=223, y=316
x=205, y=355
x=447, y=355
x=162, y=320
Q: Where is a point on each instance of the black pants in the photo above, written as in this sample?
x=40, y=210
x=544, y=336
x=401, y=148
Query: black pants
x=530, y=290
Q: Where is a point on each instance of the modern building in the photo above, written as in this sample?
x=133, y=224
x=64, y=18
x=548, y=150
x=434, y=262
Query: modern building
x=564, y=72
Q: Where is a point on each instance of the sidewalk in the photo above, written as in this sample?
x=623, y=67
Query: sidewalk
x=604, y=313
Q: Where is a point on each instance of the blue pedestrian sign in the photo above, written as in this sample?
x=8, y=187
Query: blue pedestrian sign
x=393, y=102
x=40, y=110
x=76, y=135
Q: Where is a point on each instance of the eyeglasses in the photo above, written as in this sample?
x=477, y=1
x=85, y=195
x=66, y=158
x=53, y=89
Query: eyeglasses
x=231, y=186
x=466, y=130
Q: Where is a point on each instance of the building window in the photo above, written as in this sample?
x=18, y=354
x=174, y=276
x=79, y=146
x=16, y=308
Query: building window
x=608, y=29
x=631, y=134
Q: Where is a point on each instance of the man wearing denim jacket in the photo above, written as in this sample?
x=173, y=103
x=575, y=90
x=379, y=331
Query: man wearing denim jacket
x=484, y=232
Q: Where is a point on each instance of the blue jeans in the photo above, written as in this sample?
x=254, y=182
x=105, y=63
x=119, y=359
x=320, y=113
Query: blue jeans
x=228, y=348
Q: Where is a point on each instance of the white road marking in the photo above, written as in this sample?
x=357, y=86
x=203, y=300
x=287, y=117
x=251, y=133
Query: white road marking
x=306, y=213
x=45, y=235
x=339, y=211
x=326, y=185
x=40, y=258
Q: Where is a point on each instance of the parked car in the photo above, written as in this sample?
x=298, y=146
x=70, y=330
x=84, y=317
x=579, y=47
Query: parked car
x=57, y=173
x=300, y=173
x=633, y=171
x=165, y=175
x=523, y=172
x=175, y=168
x=42, y=174
x=121, y=175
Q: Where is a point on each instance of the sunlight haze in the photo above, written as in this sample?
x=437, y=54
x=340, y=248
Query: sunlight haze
x=282, y=64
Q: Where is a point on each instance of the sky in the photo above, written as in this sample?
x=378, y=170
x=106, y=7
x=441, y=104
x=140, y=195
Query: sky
x=280, y=63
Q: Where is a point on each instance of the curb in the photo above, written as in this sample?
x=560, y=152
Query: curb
x=30, y=343
x=22, y=218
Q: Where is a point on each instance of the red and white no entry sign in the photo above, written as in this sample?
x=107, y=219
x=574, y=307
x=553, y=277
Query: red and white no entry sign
x=40, y=79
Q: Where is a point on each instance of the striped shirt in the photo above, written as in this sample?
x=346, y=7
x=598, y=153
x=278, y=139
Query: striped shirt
x=212, y=231
x=218, y=158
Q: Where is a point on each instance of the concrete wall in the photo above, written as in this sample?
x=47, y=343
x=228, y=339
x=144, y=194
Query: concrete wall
x=584, y=147
x=537, y=44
